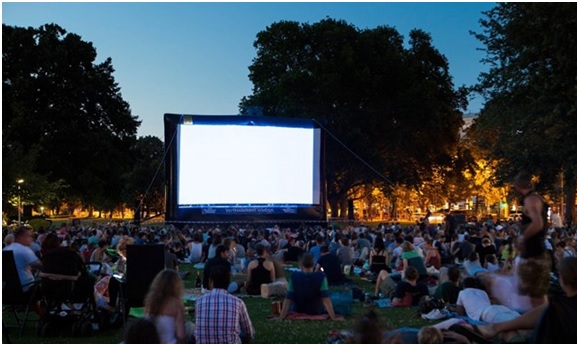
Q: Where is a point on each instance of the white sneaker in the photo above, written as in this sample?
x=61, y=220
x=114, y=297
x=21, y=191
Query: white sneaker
x=435, y=314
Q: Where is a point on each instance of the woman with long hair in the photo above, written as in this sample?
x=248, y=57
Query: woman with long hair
x=163, y=304
x=378, y=256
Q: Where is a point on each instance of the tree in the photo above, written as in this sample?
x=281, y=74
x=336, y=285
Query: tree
x=386, y=103
x=65, y=113
x=531, y=111
x=145, y=182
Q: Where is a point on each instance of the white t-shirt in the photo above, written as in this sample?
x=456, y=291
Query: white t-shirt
x=475, y=301
x=23, y=257
x=195, y=252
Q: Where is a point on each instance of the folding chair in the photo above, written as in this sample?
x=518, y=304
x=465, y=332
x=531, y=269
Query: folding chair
x=12, y=294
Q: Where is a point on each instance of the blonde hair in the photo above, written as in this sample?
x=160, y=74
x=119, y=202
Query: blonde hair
x=166, y=285
x=430, y=335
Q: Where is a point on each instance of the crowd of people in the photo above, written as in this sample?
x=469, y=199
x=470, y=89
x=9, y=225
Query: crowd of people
x=496, y=273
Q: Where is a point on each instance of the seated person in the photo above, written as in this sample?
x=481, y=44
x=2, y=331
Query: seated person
x=378, y=258
x=308, y=292
x=491, y=263
x=449, y=291
x=25, y=259
x=473, y=266
x=61, y=261
x=409, y=292
x=195, y=248
x=163, y=305
x=260, y=271
x=279, y=286
x=221, y=317
x=433, y=257
x=411, y=257
x=220, y=259
x=293, y=251
x=553, y=322
x=331, y=266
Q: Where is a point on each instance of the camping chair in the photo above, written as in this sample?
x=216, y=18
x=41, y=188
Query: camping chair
x=12, y=294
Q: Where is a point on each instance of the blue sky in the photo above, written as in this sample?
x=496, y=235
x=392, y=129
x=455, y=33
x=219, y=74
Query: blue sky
x=193, y=58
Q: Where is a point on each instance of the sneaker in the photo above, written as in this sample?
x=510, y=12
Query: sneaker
x=435, y=314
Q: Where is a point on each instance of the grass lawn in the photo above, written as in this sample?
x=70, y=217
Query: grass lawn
x=267, y=330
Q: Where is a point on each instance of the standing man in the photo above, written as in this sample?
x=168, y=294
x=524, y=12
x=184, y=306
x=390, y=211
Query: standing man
x=221, y=317
x=534, y=264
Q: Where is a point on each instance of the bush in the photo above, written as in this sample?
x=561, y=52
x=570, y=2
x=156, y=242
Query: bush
x=36, y=223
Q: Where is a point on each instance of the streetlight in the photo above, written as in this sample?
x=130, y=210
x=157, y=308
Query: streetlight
x=19, y=181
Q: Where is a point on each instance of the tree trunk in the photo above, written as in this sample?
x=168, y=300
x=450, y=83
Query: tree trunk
x=343, y=206
x=570, y=189
x=334, y=206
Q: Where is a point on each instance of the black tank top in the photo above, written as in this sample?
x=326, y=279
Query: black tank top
x=535, y=245
x=259, y=275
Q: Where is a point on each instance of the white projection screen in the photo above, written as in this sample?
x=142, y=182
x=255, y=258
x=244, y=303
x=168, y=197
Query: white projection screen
x=227, y=168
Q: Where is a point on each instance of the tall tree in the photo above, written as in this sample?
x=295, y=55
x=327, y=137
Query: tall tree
x=66, y=110
x=531, y=92
x=384, y=102
x=144, y=190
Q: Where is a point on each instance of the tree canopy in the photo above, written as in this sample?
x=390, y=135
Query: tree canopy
x=65, y=124
x=530, y=116
x=395, y=106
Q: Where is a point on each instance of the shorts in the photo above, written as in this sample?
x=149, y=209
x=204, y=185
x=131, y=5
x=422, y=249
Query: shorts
x=533, y=275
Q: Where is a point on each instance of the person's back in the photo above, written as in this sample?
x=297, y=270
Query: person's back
x=331, y=266
x=259, y=275
x=409, y=291
x=221, y=317
x=213, y=263
x=449, y=291
x=345, y=253
x=306, y=289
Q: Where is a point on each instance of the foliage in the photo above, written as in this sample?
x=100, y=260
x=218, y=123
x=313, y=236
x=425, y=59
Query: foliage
x=394, y=106
x=145, y=182
x=65, y=124
x=531, y=111
x=38, y=223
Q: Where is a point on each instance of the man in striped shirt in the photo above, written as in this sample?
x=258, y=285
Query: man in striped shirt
x=221, y=318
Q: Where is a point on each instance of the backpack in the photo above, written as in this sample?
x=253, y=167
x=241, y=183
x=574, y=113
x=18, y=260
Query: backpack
x=428, y=303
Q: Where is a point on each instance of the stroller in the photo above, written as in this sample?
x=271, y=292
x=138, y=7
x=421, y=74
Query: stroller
x=67, y=290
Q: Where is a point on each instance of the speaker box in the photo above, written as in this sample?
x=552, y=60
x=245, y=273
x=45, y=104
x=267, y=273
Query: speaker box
x=143, y=263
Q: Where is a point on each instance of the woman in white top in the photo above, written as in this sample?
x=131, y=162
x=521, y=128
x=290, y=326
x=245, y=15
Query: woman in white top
x=163, y=304
x=195, y=248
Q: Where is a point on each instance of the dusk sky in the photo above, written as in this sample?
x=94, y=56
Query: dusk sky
x=193, y=58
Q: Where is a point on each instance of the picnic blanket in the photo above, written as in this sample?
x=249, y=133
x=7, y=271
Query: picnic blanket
x=383, y=303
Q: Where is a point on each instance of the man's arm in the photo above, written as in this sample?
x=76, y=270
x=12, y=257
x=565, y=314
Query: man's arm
x=246, y=328
x=329, y=306
x=285, y=307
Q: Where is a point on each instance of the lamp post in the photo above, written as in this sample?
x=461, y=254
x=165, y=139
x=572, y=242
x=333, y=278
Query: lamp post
x=19, y=181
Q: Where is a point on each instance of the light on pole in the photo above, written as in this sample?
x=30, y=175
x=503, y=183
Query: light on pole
x=19, y=181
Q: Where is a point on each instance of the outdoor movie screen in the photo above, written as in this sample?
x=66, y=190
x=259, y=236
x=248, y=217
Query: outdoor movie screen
x=244, y=166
